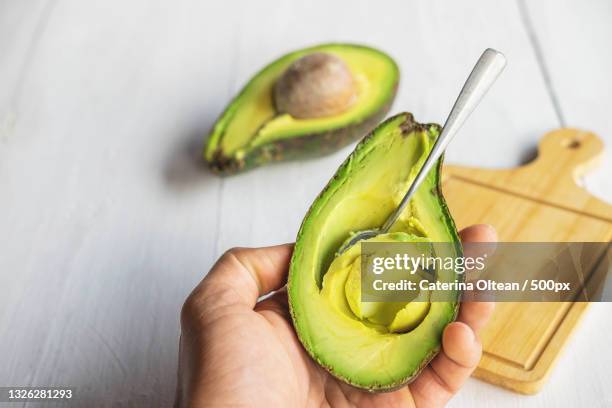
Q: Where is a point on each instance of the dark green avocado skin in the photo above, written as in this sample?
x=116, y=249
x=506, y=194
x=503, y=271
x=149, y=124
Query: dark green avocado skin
x=305, y=146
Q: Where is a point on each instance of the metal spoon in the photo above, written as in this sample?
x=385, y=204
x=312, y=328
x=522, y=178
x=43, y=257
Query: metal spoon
x=490, y=64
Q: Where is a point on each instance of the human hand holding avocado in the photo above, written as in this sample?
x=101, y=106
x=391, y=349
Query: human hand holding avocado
x=237, y=351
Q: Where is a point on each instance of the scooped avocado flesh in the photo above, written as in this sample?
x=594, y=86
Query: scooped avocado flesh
x=395, y=317
x=372, y=346
x=251, y=124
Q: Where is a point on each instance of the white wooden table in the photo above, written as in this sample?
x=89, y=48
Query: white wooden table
x=107, y=220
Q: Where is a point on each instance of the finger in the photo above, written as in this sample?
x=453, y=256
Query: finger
x=479, y=241
x=448, y=371
x=478, y=233
x=428, y=390
x=249, y=273
x=461, y=352
x=461, y=348
x=476, y=314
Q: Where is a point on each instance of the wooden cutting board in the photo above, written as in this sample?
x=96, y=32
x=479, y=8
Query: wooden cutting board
x=537, y=202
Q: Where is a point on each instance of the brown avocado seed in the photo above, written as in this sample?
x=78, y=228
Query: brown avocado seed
x=315, y=86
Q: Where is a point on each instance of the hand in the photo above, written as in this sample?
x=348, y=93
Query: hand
x=240, y=352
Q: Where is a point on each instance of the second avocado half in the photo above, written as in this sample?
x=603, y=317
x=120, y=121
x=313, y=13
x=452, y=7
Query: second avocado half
x=371, y=347
x=307, y=103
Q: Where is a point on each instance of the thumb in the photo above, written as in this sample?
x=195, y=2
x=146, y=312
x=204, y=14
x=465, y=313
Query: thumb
x=247, y=273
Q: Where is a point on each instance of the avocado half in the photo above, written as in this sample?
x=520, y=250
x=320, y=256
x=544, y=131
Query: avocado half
x=364, y=191
x=251, y=132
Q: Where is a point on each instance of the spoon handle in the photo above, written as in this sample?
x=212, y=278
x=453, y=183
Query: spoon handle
x=490, y=64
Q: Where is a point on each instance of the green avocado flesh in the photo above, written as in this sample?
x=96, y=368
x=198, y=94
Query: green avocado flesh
x=251, y=132
x=372, y=345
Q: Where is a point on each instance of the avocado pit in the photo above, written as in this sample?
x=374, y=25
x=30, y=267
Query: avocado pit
x=316, y=85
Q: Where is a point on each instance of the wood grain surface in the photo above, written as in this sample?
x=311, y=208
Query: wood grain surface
x=108, y=219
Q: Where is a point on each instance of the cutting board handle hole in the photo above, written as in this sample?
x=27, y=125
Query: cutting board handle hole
x=572, y=152
x=571, y=143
